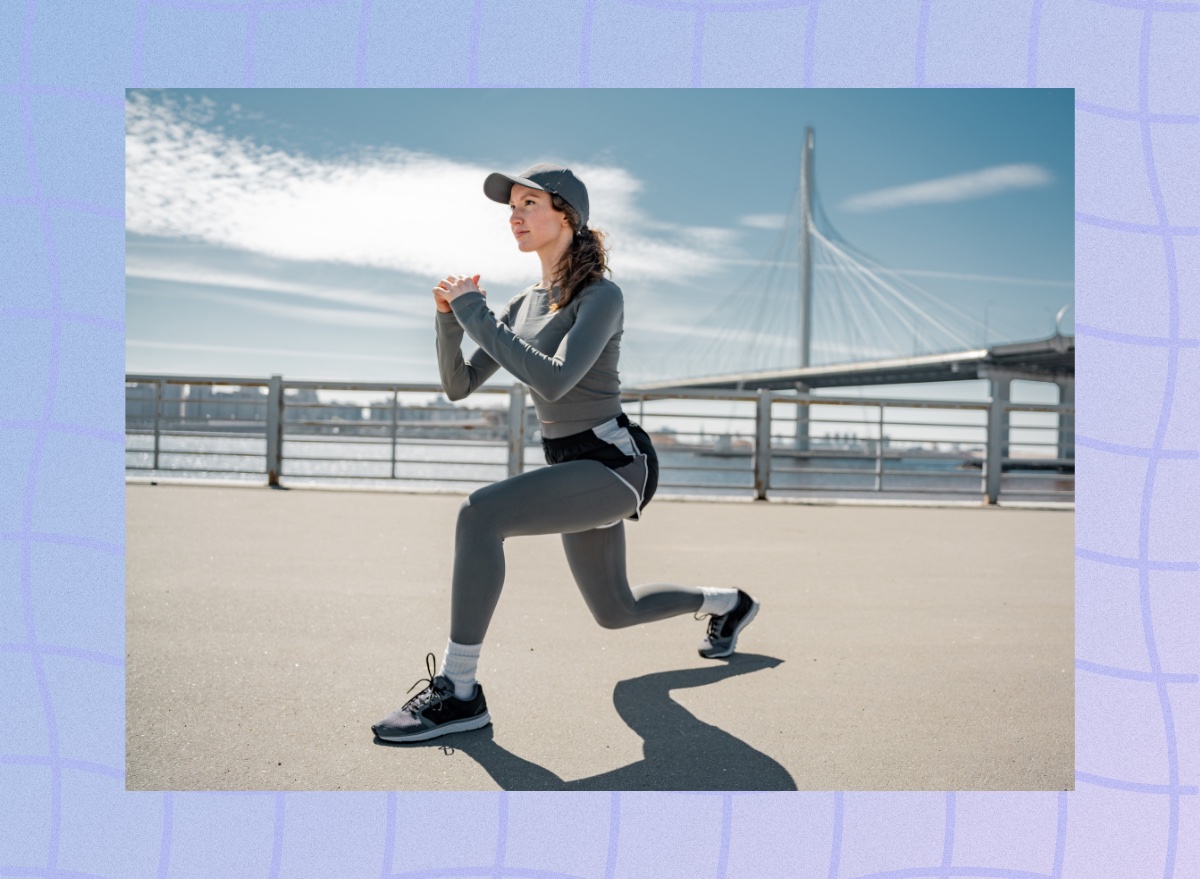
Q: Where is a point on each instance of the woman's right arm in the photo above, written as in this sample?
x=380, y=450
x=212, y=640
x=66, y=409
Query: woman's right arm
x=459, y=377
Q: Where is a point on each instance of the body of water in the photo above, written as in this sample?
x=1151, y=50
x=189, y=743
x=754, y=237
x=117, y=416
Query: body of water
x=462, y=466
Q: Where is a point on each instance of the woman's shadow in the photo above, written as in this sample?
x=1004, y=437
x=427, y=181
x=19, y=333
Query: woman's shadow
x=681, y=751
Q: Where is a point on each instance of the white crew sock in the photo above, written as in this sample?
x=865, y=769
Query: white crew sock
x=718, y=601
x=459, y=665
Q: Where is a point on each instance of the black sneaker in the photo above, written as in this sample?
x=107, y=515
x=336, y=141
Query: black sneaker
x=433, y=712
x=723, y=630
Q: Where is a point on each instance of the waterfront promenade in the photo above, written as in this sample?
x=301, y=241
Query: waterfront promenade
x=898, y=647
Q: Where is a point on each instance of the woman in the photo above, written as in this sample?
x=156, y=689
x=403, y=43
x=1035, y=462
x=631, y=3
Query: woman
x=562, y=338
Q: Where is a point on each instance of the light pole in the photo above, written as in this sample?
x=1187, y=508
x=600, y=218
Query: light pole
x=1058, y=317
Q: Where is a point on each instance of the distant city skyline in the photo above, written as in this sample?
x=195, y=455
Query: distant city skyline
x=298, y=232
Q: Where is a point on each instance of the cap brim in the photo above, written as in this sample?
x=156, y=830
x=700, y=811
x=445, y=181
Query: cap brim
x=498, y=187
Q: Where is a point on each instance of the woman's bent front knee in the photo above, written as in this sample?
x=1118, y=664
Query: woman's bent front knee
x=473, y=514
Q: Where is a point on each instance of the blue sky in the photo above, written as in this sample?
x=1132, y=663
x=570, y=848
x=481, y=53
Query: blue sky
x=299, y=232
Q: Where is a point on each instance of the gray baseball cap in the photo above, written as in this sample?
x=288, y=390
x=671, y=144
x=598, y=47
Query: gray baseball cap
x=548, y=178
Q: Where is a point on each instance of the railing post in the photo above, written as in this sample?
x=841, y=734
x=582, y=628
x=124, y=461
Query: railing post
x=157, y=409
x=274, y=430
x=516, y=429
x=762, y=445
x=395, y=417
x=997, y=439
x=879, y=452
x=803, y=419
x=1066, y=421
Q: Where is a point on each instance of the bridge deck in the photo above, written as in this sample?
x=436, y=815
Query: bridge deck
x=897, y=648
x=1039, y=360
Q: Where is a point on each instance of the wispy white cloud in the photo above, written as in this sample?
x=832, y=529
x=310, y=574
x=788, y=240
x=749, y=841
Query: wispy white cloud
x=669, y=330
x=326, y=317
x=764, y=221
x=958, y=187
x=242, y=349
x=340, y=317
x=916, y=273
x=999, y=279
x=178, y=272
x=397, y=210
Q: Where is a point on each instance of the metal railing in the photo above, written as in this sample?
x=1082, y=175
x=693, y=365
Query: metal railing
x=758, y=443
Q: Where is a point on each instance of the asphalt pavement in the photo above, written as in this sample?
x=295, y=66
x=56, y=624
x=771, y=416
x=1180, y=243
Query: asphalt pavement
x=897, y=648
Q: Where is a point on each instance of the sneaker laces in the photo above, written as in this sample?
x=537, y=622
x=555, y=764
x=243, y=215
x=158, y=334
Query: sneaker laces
x=431, y=690
x=714, y=623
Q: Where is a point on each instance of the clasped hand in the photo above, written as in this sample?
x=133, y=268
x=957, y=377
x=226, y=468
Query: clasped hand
x=453, y=286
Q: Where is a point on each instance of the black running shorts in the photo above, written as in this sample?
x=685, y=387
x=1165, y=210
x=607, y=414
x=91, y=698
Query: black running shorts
x=619, y=445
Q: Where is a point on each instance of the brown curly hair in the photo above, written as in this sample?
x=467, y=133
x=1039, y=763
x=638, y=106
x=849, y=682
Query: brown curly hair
x=586, y=260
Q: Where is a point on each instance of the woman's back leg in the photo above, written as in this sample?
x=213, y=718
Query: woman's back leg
x=597, y=560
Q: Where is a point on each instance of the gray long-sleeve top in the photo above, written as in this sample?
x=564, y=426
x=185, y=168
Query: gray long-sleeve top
x=568, y=358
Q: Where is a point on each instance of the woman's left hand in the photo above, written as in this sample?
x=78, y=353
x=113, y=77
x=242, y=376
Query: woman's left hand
x=453, y=286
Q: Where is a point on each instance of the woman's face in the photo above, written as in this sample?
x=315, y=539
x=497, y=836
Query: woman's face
x=534, y=221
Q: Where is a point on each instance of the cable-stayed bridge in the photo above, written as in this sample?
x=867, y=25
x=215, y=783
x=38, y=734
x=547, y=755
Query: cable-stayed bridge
x=819, y=312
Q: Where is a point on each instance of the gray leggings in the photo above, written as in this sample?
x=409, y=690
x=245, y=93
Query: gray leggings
x=570, y=499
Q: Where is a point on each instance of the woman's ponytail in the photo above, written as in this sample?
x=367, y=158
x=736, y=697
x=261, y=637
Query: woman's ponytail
x=586, y=260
